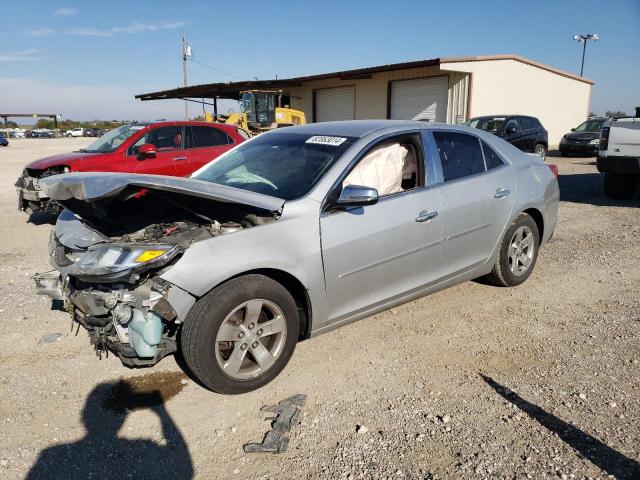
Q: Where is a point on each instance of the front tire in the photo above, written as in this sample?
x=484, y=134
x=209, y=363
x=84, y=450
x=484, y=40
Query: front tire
x=619, y=187
x=241, y=335
x=540, y=150
x=518, y=253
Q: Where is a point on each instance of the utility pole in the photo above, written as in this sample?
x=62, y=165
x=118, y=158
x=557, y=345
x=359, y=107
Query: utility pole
x=186, y=54
x=583, y=38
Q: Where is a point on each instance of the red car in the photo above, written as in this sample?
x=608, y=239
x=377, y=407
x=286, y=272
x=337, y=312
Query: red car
x=161, y=148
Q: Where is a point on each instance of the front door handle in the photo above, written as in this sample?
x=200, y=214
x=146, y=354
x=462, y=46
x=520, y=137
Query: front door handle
x=179, y=158
x=501, y=192
x=425, y=216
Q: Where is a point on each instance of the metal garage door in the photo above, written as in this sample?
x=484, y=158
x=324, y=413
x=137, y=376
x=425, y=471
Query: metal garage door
x=420, y=99
x=335, y=104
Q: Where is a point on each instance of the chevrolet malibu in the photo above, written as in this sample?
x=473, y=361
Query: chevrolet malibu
x=289, y=235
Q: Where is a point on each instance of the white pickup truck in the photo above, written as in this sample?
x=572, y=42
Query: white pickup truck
x=76, y=132
x=619, y=156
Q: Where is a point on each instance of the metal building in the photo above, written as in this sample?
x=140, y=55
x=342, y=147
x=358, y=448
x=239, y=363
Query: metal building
x=448, y=89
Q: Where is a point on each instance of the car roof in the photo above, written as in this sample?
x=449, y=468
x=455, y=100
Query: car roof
x=163, y=123
x=353, y=128
x=509, y=115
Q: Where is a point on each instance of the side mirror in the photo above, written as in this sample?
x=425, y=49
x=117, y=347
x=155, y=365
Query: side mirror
x=357, y=196
x=573, y=129
x=147, y=150
x=511, y=130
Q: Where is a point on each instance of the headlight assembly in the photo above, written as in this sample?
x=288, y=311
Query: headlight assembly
x=595, y=141
x=117, y=262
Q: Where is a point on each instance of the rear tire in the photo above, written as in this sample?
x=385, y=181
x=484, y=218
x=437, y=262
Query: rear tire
x=518, y=253
x=241, y=335
x=620, y=187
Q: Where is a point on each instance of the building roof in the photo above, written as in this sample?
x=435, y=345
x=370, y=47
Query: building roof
x=232, y=90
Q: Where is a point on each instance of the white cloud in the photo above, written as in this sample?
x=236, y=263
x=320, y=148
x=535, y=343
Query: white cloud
x=39, y=32
x=20, y=55
x=132, y=28
x=65, y=12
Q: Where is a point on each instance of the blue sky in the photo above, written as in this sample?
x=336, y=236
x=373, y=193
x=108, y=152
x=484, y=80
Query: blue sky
x=88, y=59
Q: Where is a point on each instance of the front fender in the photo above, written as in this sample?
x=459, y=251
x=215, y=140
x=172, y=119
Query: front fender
x=290, y=244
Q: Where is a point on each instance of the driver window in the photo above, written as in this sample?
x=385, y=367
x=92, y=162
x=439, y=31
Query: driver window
x=390, y=167
x=165, y=138
x=513, y=123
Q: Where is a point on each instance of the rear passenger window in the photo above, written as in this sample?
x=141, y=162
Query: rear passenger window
x=491, y=158
x=207, y=137
x=460, y=155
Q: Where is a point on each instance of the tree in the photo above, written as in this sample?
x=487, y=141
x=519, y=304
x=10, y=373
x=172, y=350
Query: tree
x=615, y=114
x=592, y=114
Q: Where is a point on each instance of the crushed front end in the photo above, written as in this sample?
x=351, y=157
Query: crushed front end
x=110, y=255
x=113, y=289
x=31, y=198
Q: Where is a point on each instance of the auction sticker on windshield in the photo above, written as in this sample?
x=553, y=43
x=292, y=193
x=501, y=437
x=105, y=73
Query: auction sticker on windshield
x=324, y=140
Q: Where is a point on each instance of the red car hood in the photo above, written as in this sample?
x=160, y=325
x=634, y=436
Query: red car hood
x=73, y=159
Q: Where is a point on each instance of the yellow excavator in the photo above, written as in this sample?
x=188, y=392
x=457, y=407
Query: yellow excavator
x=261, y=111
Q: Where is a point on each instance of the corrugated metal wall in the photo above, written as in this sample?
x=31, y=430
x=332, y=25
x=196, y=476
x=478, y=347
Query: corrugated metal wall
x=509, y=86
x=372, y=93
x=458, y=97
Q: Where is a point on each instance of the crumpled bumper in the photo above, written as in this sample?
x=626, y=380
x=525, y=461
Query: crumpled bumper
x=129, y=322
x=49, y=284
x=29, y=193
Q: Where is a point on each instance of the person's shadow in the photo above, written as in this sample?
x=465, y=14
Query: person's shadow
x=103, y=454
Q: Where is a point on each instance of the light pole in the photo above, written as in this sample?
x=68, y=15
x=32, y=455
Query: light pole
x=583, y=38
x=186, y=55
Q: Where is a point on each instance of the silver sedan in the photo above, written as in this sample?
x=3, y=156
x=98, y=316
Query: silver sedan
x=289, y=235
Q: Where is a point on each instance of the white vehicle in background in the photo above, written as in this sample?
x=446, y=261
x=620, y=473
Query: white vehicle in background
x=76, y=132
x=619, y=156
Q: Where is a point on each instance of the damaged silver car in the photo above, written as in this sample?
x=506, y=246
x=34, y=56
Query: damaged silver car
x=289, y=235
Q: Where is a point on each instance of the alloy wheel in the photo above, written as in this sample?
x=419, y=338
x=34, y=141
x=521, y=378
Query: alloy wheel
x=521, y=250
x=250, y=339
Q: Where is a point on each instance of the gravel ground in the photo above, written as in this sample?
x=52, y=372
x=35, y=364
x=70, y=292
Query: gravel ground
x=538, y=381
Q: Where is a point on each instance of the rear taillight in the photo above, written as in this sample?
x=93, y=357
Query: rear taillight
x=604, y=138
x=553, y=168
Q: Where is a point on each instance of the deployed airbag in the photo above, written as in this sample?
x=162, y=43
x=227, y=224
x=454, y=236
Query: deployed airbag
x=382, y=169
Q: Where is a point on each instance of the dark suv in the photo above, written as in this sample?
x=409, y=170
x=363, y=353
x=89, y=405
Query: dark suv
x=523, y=132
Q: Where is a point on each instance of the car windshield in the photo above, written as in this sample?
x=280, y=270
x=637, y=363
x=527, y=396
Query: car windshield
x=113, y=139
x=284, y=165
x=590, y=126
x=488, y=124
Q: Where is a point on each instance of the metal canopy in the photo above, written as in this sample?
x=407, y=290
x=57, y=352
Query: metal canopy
x=231, y=90
x=7, y=116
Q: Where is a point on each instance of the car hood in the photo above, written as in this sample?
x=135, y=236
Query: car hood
x=582, y=135
x=93, y=187
x=71, y=158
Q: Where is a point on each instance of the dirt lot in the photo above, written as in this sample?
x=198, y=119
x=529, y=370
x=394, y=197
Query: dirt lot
x=539, y=381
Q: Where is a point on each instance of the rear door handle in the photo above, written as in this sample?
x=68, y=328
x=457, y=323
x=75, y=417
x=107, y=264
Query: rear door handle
x=425, y=216
x=179, y=158
x=501, y=192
